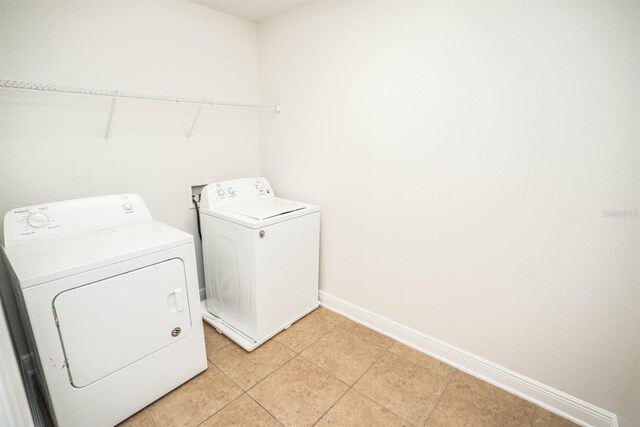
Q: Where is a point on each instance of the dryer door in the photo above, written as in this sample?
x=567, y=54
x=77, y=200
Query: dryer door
x=114, y=322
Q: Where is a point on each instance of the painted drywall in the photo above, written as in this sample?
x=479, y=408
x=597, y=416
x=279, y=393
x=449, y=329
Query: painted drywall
x=629, y=414
x=52, y=146
x=477, y=168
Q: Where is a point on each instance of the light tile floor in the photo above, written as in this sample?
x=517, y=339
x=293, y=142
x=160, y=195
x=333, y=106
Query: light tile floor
x=327, y=370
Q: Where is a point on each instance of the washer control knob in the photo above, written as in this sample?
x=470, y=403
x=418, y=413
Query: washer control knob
x=230, y=190
x=127, y=206
x=221, y=192
x=259, y=186
x=38, y=220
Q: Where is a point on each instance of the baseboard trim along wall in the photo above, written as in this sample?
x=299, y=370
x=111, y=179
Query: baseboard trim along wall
x=556, y=401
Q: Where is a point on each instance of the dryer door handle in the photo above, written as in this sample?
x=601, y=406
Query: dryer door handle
x=175, y=300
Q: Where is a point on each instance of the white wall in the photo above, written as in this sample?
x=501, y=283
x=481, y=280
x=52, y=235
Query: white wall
x=463, y=154
x=52, y=146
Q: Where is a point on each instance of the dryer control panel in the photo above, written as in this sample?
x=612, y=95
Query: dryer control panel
x=227, y=193
x=59, y=219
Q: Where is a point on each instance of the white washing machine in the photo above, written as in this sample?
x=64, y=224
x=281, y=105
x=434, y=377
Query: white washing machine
x=111, y=302
x=261, y=258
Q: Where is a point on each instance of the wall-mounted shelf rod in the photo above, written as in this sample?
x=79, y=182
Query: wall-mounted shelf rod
x=43, y=87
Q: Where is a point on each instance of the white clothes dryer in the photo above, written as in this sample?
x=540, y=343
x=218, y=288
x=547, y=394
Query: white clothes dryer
x=111, y=304
x=261, y=258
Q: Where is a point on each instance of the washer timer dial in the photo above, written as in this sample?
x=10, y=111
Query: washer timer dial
x=38, y=220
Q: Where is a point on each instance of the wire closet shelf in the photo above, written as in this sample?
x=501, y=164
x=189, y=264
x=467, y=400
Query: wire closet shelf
x=45, y=87
x=115, y=94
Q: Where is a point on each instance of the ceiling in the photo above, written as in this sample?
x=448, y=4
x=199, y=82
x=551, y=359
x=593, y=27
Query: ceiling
x=253, y=10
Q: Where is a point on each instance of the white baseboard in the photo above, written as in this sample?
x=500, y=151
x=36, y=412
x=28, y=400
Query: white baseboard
x=556, y=401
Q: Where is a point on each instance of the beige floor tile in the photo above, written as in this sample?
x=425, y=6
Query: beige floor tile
x=213, y=339
x=471, y=401
x=367, y=334
x=459, y=412
x=407, y=389
x=343, y=354
x=354, y=409
x=423, y=360
x=243, y=411
x=331, y=316
x=309, y=329
x=463, y=416
x=544, y=418
x=248, y=368
x=196, y=400
x=140, y=419
x=299, y=393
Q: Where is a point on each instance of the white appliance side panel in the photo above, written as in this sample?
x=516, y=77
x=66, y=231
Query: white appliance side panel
x=229, y=273
x=14, y=405
x=287, y=260
x=111, y=323
x=126, y=391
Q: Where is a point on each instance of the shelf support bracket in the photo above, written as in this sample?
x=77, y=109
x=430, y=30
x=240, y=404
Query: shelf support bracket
x=193, y=124
x=113, y=107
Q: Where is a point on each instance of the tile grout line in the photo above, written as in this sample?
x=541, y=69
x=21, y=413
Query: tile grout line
x=370, y=398
x=299, y=354
x=242, y=389
x=440, y=398
x=315, y=341
x=333, y=375
x=280, y=342
x=228, y=377
x=334, y=404
x=369, y=368
x=287, y=362
x=219, y=410
x=261, y=379
x=266, y=410
x=214, y=330
x=236, y=384
x=333, y=327
x=324, y=370
x=415, y=364
x=386, y=350
x=349, y=387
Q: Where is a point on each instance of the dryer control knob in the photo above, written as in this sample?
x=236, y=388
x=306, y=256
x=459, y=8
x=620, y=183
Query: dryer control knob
x=127, y=206
x=259, y=186
x=231, y=190
x=38, y=220
x=221, y=192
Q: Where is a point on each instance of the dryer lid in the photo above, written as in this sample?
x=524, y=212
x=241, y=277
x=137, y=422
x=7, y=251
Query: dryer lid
x=267, y=209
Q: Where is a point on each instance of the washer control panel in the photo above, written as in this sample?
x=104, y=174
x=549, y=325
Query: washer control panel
x=225, y=193
x=58, y=219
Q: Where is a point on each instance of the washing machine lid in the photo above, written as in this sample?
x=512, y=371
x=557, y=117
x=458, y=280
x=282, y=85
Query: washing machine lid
x=53, y=259
x=267, y=209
